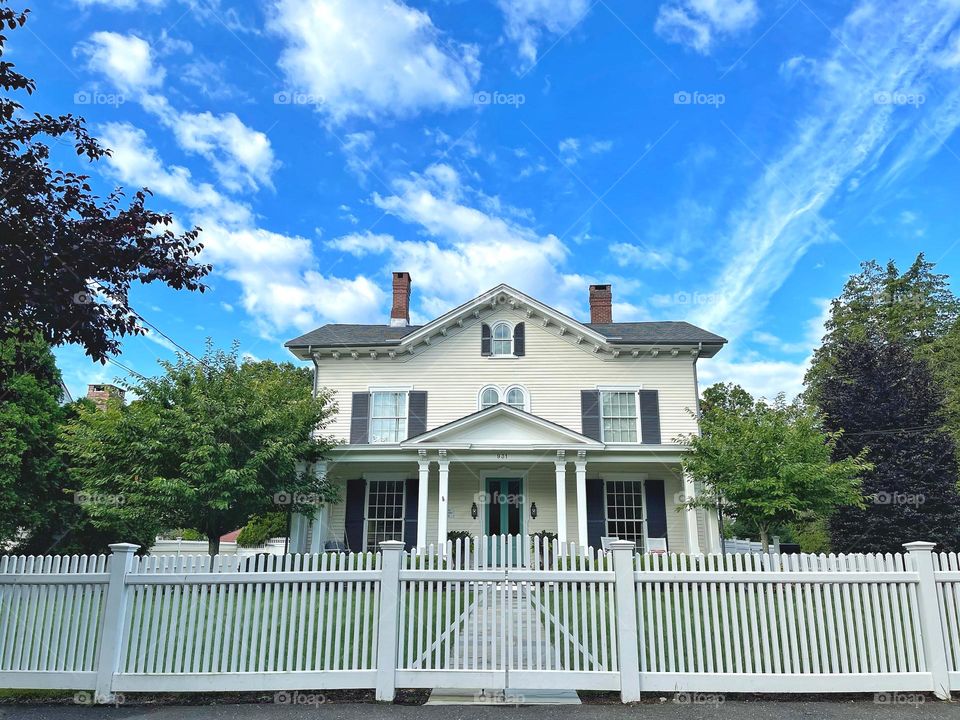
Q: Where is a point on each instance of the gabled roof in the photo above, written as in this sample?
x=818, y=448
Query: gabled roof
x=502, y=426
x=668, y=334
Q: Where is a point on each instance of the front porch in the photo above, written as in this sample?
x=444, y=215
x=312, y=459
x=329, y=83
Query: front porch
x=503, y=472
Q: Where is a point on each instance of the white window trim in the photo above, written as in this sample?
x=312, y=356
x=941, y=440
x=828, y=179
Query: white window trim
x=521, y=388
x=635, y=389
x=621, y=477
x=484, y=389
x=405, y=390
x=493, y=340
x=383, y=477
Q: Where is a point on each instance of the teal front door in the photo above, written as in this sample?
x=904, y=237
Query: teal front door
x=504, y=512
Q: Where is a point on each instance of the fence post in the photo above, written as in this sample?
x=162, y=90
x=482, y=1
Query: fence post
x=934, y=646
x=387, y=627
x=114, y=620
x=627, y=638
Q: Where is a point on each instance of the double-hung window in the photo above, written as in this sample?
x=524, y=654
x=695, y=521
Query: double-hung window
x=385, y=501
x=619, y=415
x=388, y=416
x=502, y=340
x=625, y=511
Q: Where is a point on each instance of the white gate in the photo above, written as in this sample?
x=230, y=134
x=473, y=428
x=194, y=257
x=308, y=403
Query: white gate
x=508, y=612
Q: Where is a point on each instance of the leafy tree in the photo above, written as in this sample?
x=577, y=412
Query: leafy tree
x=768, y=464
x=68, y=257
x=208, y=445
x=891, y=409
x=915, y=307
x=262, y=528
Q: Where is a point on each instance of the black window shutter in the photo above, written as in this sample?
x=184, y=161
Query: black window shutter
x=596, y=513
x=656, y=509
x=416, y=413
x=519, y=339
x=650, y=417
x=360, y=419
x=355, y=512
x=590, y=413
x=411, y=506
x=486, y=340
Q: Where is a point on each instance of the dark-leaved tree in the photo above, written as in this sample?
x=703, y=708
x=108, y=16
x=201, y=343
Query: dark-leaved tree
x=68, y=257
x=886, y=400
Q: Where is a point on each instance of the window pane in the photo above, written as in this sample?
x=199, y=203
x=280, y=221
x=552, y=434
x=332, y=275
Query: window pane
x=384, y=512
x=515, y=398
x=388, y=417
x=501, y=332
x=625, y=511
x=619, y=417
x=490, y=396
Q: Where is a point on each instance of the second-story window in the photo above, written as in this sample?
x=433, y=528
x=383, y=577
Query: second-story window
x=502, y=340
x=388, y=416
x=619, y=408
x=489, y=397
x=517, y=398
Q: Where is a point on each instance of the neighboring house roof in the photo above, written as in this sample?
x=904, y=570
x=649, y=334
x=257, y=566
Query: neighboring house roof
x=630, y=333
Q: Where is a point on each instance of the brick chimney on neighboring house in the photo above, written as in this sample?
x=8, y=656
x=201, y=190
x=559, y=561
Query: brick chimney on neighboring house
x=400, y=312
x=601, y=304
x=101, y=393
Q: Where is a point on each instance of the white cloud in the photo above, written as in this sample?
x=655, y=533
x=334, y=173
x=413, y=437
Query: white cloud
x=371, y=58
x=648, y=258
x=529, y=22
x=698, y=23
x=845, y=137
x=127, y=60
x=571, y=149
x=121, y=4
x=282, y=287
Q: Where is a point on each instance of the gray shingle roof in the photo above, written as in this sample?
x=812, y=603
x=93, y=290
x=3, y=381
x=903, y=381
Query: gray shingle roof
x=640, y=333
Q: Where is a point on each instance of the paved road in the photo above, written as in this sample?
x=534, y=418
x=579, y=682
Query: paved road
x=731, y=710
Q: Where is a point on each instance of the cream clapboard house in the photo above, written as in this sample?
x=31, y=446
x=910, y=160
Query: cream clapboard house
x=505, y=416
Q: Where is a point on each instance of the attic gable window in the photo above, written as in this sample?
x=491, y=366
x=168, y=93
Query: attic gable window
x=502, y=340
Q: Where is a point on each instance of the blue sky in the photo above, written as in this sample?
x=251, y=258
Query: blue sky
x=719, y=161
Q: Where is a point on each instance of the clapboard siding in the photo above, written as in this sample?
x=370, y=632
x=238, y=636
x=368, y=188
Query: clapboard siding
x=554, y=371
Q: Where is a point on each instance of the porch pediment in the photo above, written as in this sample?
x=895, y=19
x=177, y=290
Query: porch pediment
x=502, y=426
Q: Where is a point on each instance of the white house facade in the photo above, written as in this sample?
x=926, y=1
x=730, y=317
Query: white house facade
x=505, y=416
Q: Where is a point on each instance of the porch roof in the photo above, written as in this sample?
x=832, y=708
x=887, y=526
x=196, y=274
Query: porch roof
x=502, y=426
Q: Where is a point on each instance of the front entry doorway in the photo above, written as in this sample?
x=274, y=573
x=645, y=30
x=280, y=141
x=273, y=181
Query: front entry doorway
x=504, y=515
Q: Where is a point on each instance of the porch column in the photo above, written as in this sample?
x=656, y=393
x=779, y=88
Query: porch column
x=581, y=466
x=444, y=483
x=690, y=515
x=712, y=530
x=422, y=495
x=298, y=521
x=561, y=465
x=318, y=530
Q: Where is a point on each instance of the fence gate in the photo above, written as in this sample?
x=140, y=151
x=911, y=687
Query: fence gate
x=523, y=615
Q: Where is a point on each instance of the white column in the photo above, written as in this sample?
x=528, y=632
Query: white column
x=581, y=466
x=931, y=631
x=561, y=465
x=318, y=531
x=423, y=491
x=444, y=483
x=690, y=515
x=712, y=529
x=296, y=533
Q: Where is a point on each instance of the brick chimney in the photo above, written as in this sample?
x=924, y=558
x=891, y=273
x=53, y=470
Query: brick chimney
x=101, y=393
x=400, y=312
x=601, y=304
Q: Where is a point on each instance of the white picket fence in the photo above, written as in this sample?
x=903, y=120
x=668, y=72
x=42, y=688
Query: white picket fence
x=491, y=613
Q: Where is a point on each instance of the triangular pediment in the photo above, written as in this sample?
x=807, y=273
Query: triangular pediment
x=501, y=426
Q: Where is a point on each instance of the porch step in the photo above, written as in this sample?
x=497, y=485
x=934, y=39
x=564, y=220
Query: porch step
x=510, y=696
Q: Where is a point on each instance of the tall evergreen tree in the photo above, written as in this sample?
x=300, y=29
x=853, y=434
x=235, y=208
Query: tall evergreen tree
x=886, y=401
